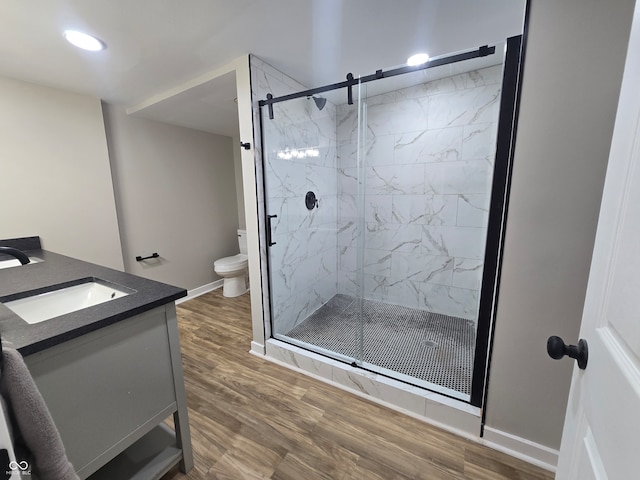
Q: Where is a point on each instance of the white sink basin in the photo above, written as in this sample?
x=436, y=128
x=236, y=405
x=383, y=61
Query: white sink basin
x=38, y=308
x=14, y=262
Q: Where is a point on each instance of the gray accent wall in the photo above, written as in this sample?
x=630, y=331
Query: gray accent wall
x=573, y=70
x=175, y=195
x=55, y=180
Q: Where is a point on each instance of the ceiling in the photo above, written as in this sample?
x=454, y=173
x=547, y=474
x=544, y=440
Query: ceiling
x=155, y=45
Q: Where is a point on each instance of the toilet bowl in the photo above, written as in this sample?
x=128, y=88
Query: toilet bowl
x=233, y=269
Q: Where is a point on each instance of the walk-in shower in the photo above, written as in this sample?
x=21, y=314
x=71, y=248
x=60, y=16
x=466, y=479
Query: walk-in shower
x=384, y=207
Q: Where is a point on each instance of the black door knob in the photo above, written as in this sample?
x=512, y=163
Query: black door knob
x=556, y=348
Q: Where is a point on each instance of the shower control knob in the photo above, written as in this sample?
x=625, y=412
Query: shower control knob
x=556, y=348
x=311, y=201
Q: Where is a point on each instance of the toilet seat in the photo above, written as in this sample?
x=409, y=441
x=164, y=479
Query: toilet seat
x=231, y=264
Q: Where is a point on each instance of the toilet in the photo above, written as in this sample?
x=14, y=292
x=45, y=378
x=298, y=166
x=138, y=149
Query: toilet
x=234, y=269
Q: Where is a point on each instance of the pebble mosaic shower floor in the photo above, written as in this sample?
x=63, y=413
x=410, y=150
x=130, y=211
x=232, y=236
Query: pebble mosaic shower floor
x=429, y=346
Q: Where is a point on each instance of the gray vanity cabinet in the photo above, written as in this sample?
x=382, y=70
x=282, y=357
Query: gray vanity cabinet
x=110, y=392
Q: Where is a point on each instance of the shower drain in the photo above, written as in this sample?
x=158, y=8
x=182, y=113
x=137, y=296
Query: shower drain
x=429, y=344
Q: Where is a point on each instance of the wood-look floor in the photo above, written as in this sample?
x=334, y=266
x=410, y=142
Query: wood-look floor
x=251, y=418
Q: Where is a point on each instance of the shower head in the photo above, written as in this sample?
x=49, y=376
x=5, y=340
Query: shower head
x=320, y=102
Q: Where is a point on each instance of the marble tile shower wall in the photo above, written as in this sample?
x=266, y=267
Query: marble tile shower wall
x=303, y=263
x=428, y=175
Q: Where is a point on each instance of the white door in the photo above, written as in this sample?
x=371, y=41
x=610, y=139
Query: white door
x=601, y=438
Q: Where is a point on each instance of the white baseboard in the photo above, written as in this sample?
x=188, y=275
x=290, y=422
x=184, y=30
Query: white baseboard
x=531, y=452
x=196, y=292
x=257, y=349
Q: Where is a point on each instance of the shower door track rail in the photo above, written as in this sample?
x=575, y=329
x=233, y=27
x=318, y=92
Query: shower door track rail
x=482, y=51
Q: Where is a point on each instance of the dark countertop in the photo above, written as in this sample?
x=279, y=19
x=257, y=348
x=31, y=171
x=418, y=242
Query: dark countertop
x=57, y=270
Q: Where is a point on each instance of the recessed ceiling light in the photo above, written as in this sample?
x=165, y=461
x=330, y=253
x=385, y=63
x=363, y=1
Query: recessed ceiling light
x=84, y=41
x=417, y=59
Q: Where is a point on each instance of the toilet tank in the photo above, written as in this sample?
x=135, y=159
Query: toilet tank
x=242, y=241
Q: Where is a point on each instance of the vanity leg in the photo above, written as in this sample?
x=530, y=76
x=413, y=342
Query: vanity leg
x=181, y=416
x=183, y=440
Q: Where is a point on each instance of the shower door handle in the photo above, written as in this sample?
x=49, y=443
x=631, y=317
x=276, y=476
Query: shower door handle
x=269, y=239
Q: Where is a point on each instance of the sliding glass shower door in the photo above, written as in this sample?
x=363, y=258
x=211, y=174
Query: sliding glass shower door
x=377, y=218
x=421, y=185
x=300, y=183
x=313, y=231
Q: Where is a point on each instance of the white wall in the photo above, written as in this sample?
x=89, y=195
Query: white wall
x=573, y=70
x=175, y=194
x=237, y=165
x=55, y=180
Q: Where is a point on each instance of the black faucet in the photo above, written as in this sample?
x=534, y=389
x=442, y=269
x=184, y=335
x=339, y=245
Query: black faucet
x=14, y=252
